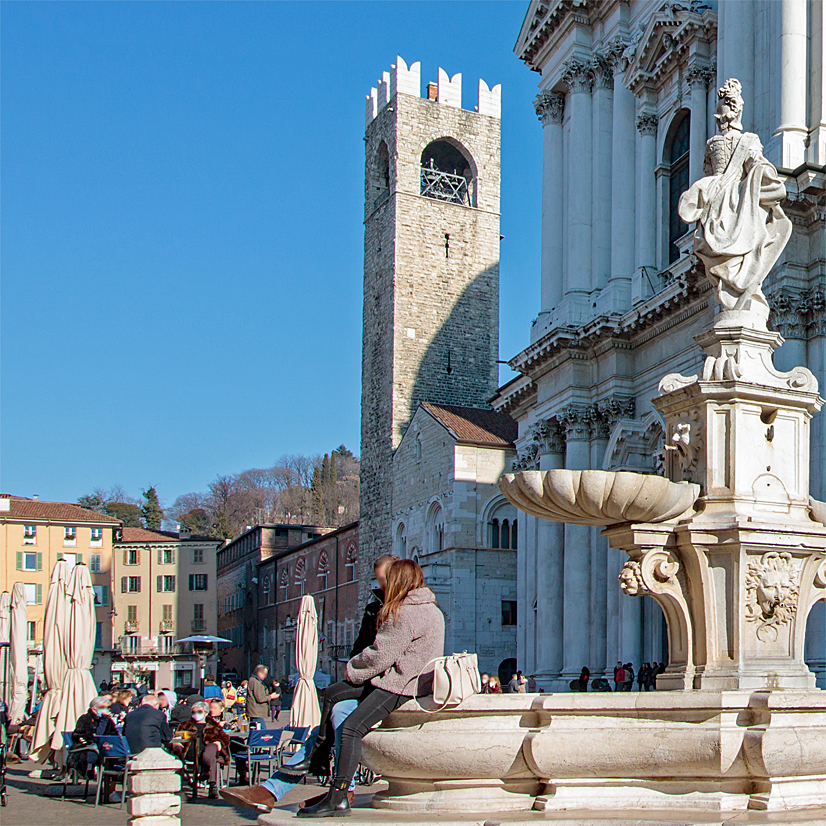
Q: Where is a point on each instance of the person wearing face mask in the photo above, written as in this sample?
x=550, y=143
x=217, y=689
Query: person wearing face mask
x=212, y=743
x=97, y=720
x=146, y=726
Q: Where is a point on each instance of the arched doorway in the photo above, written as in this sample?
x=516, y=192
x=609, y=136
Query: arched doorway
x=507, y=668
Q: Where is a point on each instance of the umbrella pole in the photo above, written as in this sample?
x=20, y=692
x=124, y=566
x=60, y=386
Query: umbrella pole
x=34, y=684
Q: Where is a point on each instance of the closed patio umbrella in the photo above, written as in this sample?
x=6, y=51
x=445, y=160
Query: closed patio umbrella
x=54, y=663
x=304, y=710
x=78, y=648
x=5, y=630
x=18, y=654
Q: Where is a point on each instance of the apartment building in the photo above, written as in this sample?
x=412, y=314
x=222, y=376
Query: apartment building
x=164, y=587
x=34, y=535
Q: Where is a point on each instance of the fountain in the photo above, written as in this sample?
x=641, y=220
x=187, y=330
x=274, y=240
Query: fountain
x=729, y=544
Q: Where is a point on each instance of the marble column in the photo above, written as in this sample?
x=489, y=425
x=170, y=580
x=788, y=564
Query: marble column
x=600, y=431
x=793, y=43
x=602, y=180
x=646, y=235
x=817, y=90
x=623, y=163
x=549, y=108
x=738, y=52
x=579, y=77
x=698, y=77
x=577, y=556
x=549, y=566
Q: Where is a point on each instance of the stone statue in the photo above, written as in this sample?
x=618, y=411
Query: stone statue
x=741, y=228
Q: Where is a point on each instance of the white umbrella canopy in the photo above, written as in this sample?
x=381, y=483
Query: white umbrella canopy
x=18, y=654
x=5, y=630
x=78, y=649
x=304, y=710
x=54, y=663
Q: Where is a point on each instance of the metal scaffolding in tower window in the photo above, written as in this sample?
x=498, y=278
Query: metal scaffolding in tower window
x=444, y=186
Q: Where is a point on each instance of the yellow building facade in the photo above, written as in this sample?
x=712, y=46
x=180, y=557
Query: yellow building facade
x=34, y=535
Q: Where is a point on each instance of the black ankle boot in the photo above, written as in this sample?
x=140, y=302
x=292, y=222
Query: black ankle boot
x=335, y=803
x=317, y=762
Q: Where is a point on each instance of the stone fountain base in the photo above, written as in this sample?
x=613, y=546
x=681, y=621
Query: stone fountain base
x=711, y=752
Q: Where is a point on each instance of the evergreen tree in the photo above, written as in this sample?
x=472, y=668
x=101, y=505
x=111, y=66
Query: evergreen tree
x=318, y=496
x=221, y=527
x=93, y=501
x=152, y=510
x=129, y=514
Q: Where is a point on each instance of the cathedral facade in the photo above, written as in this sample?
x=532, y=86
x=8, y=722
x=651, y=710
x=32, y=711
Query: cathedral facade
x=626, y=100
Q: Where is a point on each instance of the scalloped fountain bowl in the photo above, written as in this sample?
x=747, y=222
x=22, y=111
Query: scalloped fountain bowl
x=598, y=497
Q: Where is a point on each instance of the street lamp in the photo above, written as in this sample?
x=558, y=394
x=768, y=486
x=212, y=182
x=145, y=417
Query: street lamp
x=202, y=645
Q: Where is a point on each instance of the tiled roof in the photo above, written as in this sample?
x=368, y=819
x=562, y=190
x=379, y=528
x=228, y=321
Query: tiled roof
x=472, y=424
x=38, y=511
x=145, y=535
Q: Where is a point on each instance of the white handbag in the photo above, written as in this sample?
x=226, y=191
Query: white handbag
x=455, y=678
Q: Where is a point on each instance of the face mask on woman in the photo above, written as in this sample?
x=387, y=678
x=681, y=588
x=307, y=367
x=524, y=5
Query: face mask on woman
x=198, y=716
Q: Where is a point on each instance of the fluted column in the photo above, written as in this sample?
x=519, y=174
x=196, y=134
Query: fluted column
x=579, y=78
x=646, y=235
x=623, y=177
x=549, y=565
x=576, y=629
x=698, y=78
x=600, y=431
x=550, y=108
x=793, y=42
x=602, y=182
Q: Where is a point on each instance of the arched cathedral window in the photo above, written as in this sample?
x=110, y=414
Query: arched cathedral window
x=447, y=174
x=435, y=528
x=502, y=528
x=400, y=544
x=678, y=180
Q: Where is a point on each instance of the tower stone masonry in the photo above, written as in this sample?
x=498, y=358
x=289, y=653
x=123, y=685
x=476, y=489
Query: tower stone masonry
x=431, y=271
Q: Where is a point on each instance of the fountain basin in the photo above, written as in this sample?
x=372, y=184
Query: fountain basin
x=704, y=751
x=598, y=497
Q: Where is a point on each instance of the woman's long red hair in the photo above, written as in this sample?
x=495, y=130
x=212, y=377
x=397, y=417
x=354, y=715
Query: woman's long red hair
x=403, y=576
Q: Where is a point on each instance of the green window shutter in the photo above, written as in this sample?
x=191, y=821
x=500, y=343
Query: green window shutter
x=39, y=561
x=160, y=583
x=138, y=589
x=191, y=582
x=104, y=594
x=123, y=584
x=20, y=560
x=160, y=558
x=79, y=557
x=174, y=582
x=174, y=556
x=38, y=594
x=59, y=555
x=126, y=557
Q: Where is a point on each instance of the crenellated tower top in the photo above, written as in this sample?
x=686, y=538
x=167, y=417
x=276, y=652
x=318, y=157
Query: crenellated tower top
x=447, y=90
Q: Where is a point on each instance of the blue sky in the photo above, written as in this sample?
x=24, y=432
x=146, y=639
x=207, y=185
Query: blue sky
x=182, y=226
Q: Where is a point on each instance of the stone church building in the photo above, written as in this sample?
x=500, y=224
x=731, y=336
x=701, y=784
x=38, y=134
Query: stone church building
x=432, y=448
x=627, y=90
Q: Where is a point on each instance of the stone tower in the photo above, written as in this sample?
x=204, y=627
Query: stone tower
x=431, y=270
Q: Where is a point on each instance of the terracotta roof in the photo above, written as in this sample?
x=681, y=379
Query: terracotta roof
x=37, y=510
x=145, y=535
x=472, y=424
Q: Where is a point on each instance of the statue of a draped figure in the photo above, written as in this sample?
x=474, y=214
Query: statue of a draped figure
x=741, y=228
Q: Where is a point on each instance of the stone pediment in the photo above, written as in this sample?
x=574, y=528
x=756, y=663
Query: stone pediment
x=543, y=18
x=666, y=38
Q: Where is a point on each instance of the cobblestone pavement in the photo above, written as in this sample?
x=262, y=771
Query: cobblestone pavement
x=37, y=803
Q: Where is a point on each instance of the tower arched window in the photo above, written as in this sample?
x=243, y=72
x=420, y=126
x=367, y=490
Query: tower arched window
x=501, y=527
x=400, y=543
x=678, y=179
x=435, y=529
x=447, y=174
x=379, y=176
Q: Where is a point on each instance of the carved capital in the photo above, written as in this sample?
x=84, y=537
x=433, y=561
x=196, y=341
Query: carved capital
x=579, y=76
x=616, y=408
x=604, y=70
x=527, y=459
x=798, y=315
x=550, y=107
x=549, y=437
x=699, y=77
x=647, y=123
x=614, y=53
x=577, y=423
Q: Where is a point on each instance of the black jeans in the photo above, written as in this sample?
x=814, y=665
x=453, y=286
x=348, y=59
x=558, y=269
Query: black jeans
x=374, y=705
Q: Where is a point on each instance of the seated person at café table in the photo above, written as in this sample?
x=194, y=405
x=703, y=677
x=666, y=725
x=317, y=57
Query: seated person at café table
x=97, y=720
x=146, y=726
x=212, y=740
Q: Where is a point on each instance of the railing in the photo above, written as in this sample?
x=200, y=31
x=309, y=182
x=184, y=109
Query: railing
x=170, y=650
x=131, y=626
x=443, y=186
x=166, y=626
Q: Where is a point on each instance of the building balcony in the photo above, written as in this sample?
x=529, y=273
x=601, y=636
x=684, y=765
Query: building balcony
x=166, y=626
x=167, y=647
x=131, y=627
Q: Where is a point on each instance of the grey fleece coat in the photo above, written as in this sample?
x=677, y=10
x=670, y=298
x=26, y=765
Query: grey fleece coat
x=403, y=647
